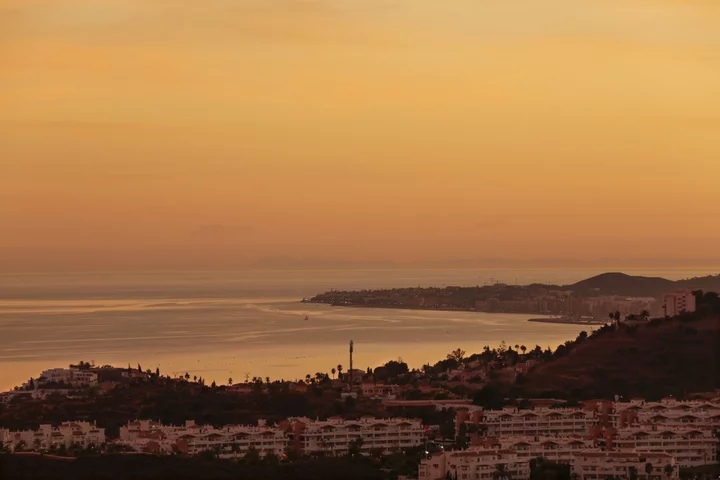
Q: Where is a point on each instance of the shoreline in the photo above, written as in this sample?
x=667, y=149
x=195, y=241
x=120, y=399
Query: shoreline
x=567, y=322
x=425, y=309
x=549, y=319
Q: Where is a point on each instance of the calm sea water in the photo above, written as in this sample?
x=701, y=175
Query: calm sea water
x=231, y=324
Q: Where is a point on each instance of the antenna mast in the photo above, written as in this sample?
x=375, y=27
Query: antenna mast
x=350, y=376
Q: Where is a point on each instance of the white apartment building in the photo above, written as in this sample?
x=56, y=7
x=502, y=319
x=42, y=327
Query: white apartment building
x=667, y=412
x=690, y=446
x=83, y=434
x=334, y=436
x=69, y=376
x=473, y=464
x=230, y=441
x=682, y=301
x=556, y=449
x=596, y=465
x=510, y=422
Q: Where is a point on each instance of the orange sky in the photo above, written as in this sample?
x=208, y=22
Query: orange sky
x=369, y=129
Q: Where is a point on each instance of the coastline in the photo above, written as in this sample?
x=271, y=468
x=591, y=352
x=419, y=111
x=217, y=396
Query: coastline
x=549, y=319
x=567, y=322
x=403, y=307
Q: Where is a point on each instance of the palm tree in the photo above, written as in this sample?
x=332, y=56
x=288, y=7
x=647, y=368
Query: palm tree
x=339, y=369
x=333, y=372
x=230, y=381
x=523, y=348
x=669, y=469
x=648, y=469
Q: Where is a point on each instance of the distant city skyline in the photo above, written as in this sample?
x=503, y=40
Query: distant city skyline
x=187, y=135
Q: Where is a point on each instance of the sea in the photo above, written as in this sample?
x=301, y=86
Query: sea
x=226, y=326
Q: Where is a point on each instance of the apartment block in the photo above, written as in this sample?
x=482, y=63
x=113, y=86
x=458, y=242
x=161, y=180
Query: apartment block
x=334, y=436
x=82, y=434
x=474, y=464
x=231, y=441
x=690, y=446
x=601, y=465
x=513, y=422
x=682, y=301
x=556, y=449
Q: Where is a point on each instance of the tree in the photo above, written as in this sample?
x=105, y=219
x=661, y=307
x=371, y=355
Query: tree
x=648, y=469
x=523, y=349
x=252, y=457
x=500, y=473
x=462, y=440
x=669, y=469
x=213, y=385
x=632, y=473
x=333, y=371
x=340, y=369
x=230, y=382
x=355, y=447
x=456, y=355
x=308, y=379
x=157, y=372
x=139, y=368
x=187, y=376
x=270, y=459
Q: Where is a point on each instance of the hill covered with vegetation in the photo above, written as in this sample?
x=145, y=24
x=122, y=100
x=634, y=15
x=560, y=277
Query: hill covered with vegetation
x=615, y=283
x=674, y=356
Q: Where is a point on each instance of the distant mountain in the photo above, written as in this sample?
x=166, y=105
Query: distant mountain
x=615, y=283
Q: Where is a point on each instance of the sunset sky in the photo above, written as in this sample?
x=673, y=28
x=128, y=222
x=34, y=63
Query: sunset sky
x=189, y=134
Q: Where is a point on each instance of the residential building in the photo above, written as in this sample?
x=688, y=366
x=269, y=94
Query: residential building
x=556, y=449
x=691, y=446
x=697, y=413
x=230, y=441
x=682, y=301
x=510, y=421
x=335, y=436
x=380, y=391
x=474, y=464
x=82, y=434
x=68, y=376
x=595, y=465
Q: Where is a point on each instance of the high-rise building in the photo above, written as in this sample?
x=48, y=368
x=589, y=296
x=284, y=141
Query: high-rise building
x=682, y=301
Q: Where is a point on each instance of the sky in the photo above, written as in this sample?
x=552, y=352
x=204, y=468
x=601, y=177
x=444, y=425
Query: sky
x=179, y=134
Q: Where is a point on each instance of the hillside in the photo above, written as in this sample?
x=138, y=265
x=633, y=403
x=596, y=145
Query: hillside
x=615, y=283
x=666, y=357
x=622, y=284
